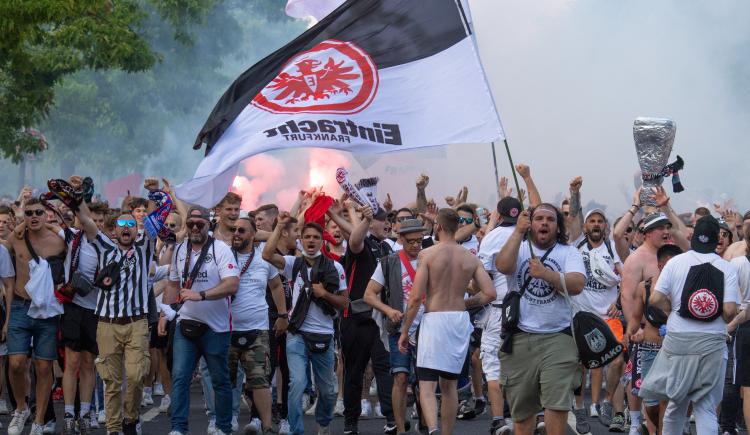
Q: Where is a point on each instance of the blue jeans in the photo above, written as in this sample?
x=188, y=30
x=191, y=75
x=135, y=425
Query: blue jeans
x=22, y=329
x=208, y=391
x=214, y=347
x=298, y=359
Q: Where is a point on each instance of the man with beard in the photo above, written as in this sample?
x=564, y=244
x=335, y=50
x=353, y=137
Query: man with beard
x=250, y=327
x=395, y=275
x=319, y=289
x=26, y=320
x=725, y=238
x=227, y=212
x=122, y=331
x=441, y=281
x=203, y=276
x=539, y=358
x=359, y=333
x=599, y=296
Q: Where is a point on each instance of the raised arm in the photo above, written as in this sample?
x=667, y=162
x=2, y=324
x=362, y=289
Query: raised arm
x=357, y=238
x=618, y=232
x=270, y=251
x=679, y=229
x=525, y=172
x=335, y=215
x=422, y=183
x=87, y=223
x=576, y=216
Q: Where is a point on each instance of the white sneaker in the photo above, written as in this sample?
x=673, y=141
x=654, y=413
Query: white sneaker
x=49, y=427
x=211, y=430
x=311, y=410
x=338, y=410
x=235, y=424
x=366, y=408
x=594, y=410
x=93, y=421
x=376, y=412
x=165, y=402
x=102, y=417
x=36, y=429
x=324, y=430
x=254, y=426
x=176, y=432
x=305, y=401
x=373, y=388
x=147, y=400
x=284, y=428
x=158, y=389
x=4, y=408
x=18, y=422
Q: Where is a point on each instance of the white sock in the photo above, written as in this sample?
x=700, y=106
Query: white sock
x=147, y=390
x=70, y=409
x=479, y=398
x=85, y=408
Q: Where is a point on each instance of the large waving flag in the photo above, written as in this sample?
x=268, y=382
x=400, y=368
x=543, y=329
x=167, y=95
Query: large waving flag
x=373, y=76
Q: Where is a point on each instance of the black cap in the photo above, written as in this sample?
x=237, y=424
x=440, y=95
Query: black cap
x=197, y=211
x=705, y=235
x=509, y=209
x=380, y=215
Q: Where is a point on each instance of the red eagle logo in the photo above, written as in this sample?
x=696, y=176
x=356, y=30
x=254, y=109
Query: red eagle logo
x=332, y=77
x=703, y=304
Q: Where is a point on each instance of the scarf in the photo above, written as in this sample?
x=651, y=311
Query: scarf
x=65, y=192
x=154, y=222
x=671, y=170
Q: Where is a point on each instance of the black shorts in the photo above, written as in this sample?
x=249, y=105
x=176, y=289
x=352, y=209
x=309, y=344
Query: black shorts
x=155, y=341
x=78, y=329
x=742, y=355
x=432, y=375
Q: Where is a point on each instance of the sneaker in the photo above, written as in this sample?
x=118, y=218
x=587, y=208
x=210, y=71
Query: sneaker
x=501, y=427
x=374, y=388
x=479, y=406
x=130, y=427
x=93, y=421
x=305, y=401
x=84, y=425
x=165, y=402
x=211, y=429
x=466, y=410
x=252, y=428
x=18, y=422
x=50, y=427
x=605, y=414
x=351, y=429
x=686, y=428
x=284, y=428
x=377, y=412
x=618, y=423
x=36, y=429
x=366, y=409
x=4, y=407
x=147, y=400
x=235, y=424
x=390, y=429
x=582, y=423
x=176, y=432
x=311, y=409
x=101, y=417
x=324, y=430
x=69, y=425
x=158, y=389
x=541, y=428
x=338, y=410
x=594, y=410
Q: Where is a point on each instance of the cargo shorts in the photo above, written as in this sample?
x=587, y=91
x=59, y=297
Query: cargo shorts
x=255, y=360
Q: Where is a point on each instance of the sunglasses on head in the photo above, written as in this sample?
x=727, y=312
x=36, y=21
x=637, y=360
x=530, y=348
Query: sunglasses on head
x=37, y=212
x=463, y=220
x=195, y=224
x=130, y=223
x=238, y=230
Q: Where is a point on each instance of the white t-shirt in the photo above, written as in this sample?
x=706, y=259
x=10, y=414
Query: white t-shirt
x=214, y=313
x=672, y=280
x=471, y=245
x=87, y=262
x=742, y=264
x=249, y=308
x=316, y=320
x=491, y=245
x=6, y=264
x=395, y=246
x=544, y=309
x=406, y=285
x=595, y=297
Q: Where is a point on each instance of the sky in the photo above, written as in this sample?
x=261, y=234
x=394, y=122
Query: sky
x=569, y=78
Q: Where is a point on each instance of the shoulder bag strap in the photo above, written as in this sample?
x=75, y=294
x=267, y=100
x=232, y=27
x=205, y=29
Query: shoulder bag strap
x=528, y=279
x=29, y=247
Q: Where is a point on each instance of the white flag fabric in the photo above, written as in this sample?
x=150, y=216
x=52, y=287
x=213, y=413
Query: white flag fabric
x=374, y=76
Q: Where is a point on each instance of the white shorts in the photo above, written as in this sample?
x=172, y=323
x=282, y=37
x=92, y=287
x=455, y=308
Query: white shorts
x=489, y=352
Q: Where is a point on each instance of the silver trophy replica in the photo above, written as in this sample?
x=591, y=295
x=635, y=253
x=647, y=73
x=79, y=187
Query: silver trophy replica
x=653, y=144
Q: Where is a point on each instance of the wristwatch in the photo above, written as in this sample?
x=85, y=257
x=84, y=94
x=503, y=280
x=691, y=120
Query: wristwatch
x=283, y=316
x=203, y=295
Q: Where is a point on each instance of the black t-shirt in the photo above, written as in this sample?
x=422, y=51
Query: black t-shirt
x=360, y=267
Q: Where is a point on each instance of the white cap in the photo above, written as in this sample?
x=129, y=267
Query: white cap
x=595, y=211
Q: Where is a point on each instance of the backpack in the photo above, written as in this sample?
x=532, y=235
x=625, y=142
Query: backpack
x=703, y=293
x=596, y=343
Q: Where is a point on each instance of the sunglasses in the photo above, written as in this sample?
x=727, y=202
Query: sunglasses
x=195, y=224
x=37, y=212
x=404, y=218
x=130, y=223
x=414, y=242
x=463, y=220
x=725, y=234
x=238, y=230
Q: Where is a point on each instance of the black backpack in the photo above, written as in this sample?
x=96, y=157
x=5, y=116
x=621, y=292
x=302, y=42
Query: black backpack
x=596, y=343
x=703, y=294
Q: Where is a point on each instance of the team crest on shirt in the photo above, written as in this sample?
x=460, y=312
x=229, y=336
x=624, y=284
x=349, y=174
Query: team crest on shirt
x=332, y=77
x=209, y=258
x=539, y=291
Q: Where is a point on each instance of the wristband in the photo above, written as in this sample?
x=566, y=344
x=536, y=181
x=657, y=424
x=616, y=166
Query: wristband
x=283, y=316
x=203, y=295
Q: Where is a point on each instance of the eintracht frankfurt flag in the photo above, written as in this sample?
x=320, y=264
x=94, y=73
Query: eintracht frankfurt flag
x=374, y=76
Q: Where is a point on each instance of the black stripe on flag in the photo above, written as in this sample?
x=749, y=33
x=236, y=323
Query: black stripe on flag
x=392, y=32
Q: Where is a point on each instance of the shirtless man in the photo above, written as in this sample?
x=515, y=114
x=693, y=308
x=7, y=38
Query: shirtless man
x=20, y=327
x=444, y=273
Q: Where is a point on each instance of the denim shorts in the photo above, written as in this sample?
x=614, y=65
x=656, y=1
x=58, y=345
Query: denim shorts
x=647, y=353
x=400, y=362
x=22, y=329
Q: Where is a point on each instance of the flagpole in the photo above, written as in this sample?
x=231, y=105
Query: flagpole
x=494, y=161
